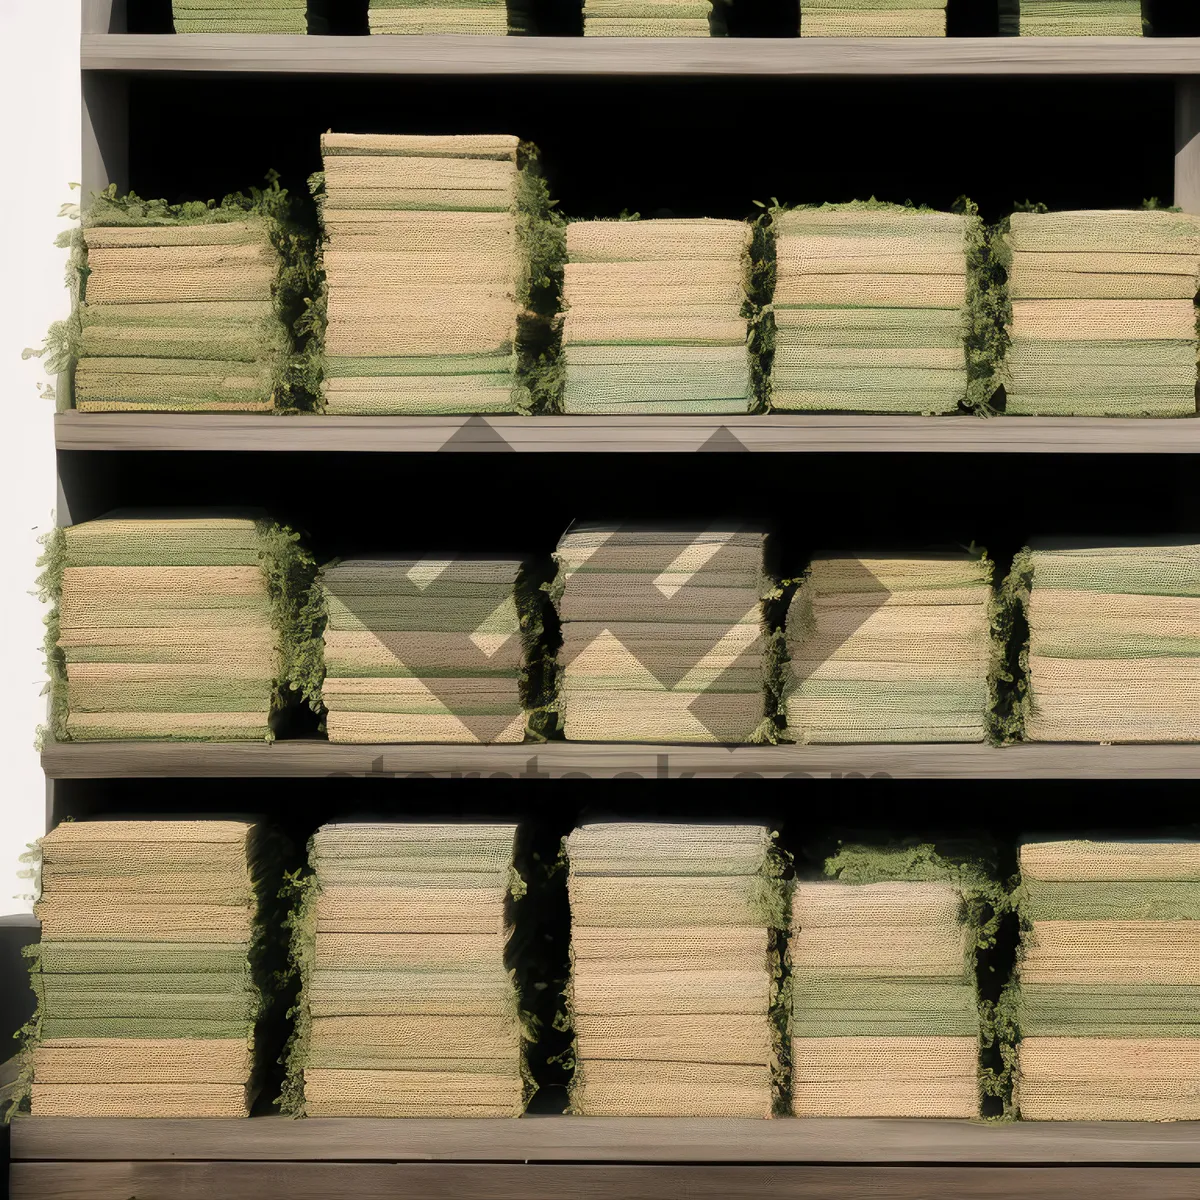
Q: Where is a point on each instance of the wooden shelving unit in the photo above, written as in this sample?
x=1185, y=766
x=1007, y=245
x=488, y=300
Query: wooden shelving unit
x=267, y=1157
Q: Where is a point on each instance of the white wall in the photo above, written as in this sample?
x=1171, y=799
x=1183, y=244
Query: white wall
x=39, y=129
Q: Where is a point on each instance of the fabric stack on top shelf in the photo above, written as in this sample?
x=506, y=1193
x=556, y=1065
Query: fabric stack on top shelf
x=407, y=1007
x=890, y=650
x=1114, y=642
x=180, y=628
x=885, y=1014
x=1071, y=18
x=181, y=306
x=662, y=633
x=873, y=18
x=446, y=16
x=147, y=1004
x=426, y=650
x=675, y=959
x=655, y=318
x=653, y=18
x=240, y=16
x=1109, y=1001
x=426, y=271
x=1103, y=313
x=873, y=305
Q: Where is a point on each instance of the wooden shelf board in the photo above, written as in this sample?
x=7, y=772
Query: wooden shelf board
x=314, y=758
x=606, y=1139
x=390, y=55
x=767, y=433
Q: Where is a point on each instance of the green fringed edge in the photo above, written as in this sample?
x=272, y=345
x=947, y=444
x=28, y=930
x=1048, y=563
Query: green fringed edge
x=53, y=561
x=988, y=312
x=540, y=640
x=985, y=903
x=295, y=280
x=759, y=311
x=307, y=674
x=1011, y=696
x=542, y=239
x=298, y=894
x=289, y=570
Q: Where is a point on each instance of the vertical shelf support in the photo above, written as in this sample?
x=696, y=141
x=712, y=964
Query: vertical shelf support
x=1187, y=144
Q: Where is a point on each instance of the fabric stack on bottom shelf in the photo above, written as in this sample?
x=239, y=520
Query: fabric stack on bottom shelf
x=407, y=1008
x=240, y=16
x=662, y=633
x=1103, y=313
x=1071, y=18
x=890, y=650
x=1109, y=998
x=426, y=650
x=674, y=969
x=147, y=1005
x=425, y=273
x=172, y=627
x=871, y=308
x=1114, y=642
x=873, y=18
x=653, y=18
x=885, y=1016
x=181, y=308
x=655, y=317
x=488, y=17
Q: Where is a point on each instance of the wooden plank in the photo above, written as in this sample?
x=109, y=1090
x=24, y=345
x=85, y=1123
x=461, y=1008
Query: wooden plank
x=775, y=433
x=616, y=1139
x=437, y=1181
x=565, y=760
x=231, y=54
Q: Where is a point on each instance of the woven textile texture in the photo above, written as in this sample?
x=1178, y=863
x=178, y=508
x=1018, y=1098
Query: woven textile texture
x=240, y=16
x=655, y=319
x=427, y=650
x=427, y=266
x=885, y=1009
x=675, y=969
x=1072, y=18
x=874, y=308
x=180, y=627
x=890, y=650
x=873, y=18
x=662, y=633
x=407, y=1005
x=147, y=1001
x=1114, y=642
x=1108, y=1002
x=1103, y=316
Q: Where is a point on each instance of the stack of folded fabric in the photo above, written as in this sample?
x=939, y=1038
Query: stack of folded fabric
x=885, y=1015
x=890, y=650
x=181, y=628
x=1103, y=313
x=427, y=264
x=662, y=633
x=181, y=308
x=240, y=16
x=653, y=18
x=675, y=956
x=873, y=307
x=873, y=18
x=1108, y=1005
x=407, y=1007
x=425, y=650
x=1071, y=18
x=444, y=16
x=1114, y=642
x=655, y=317
x=147, y=1004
